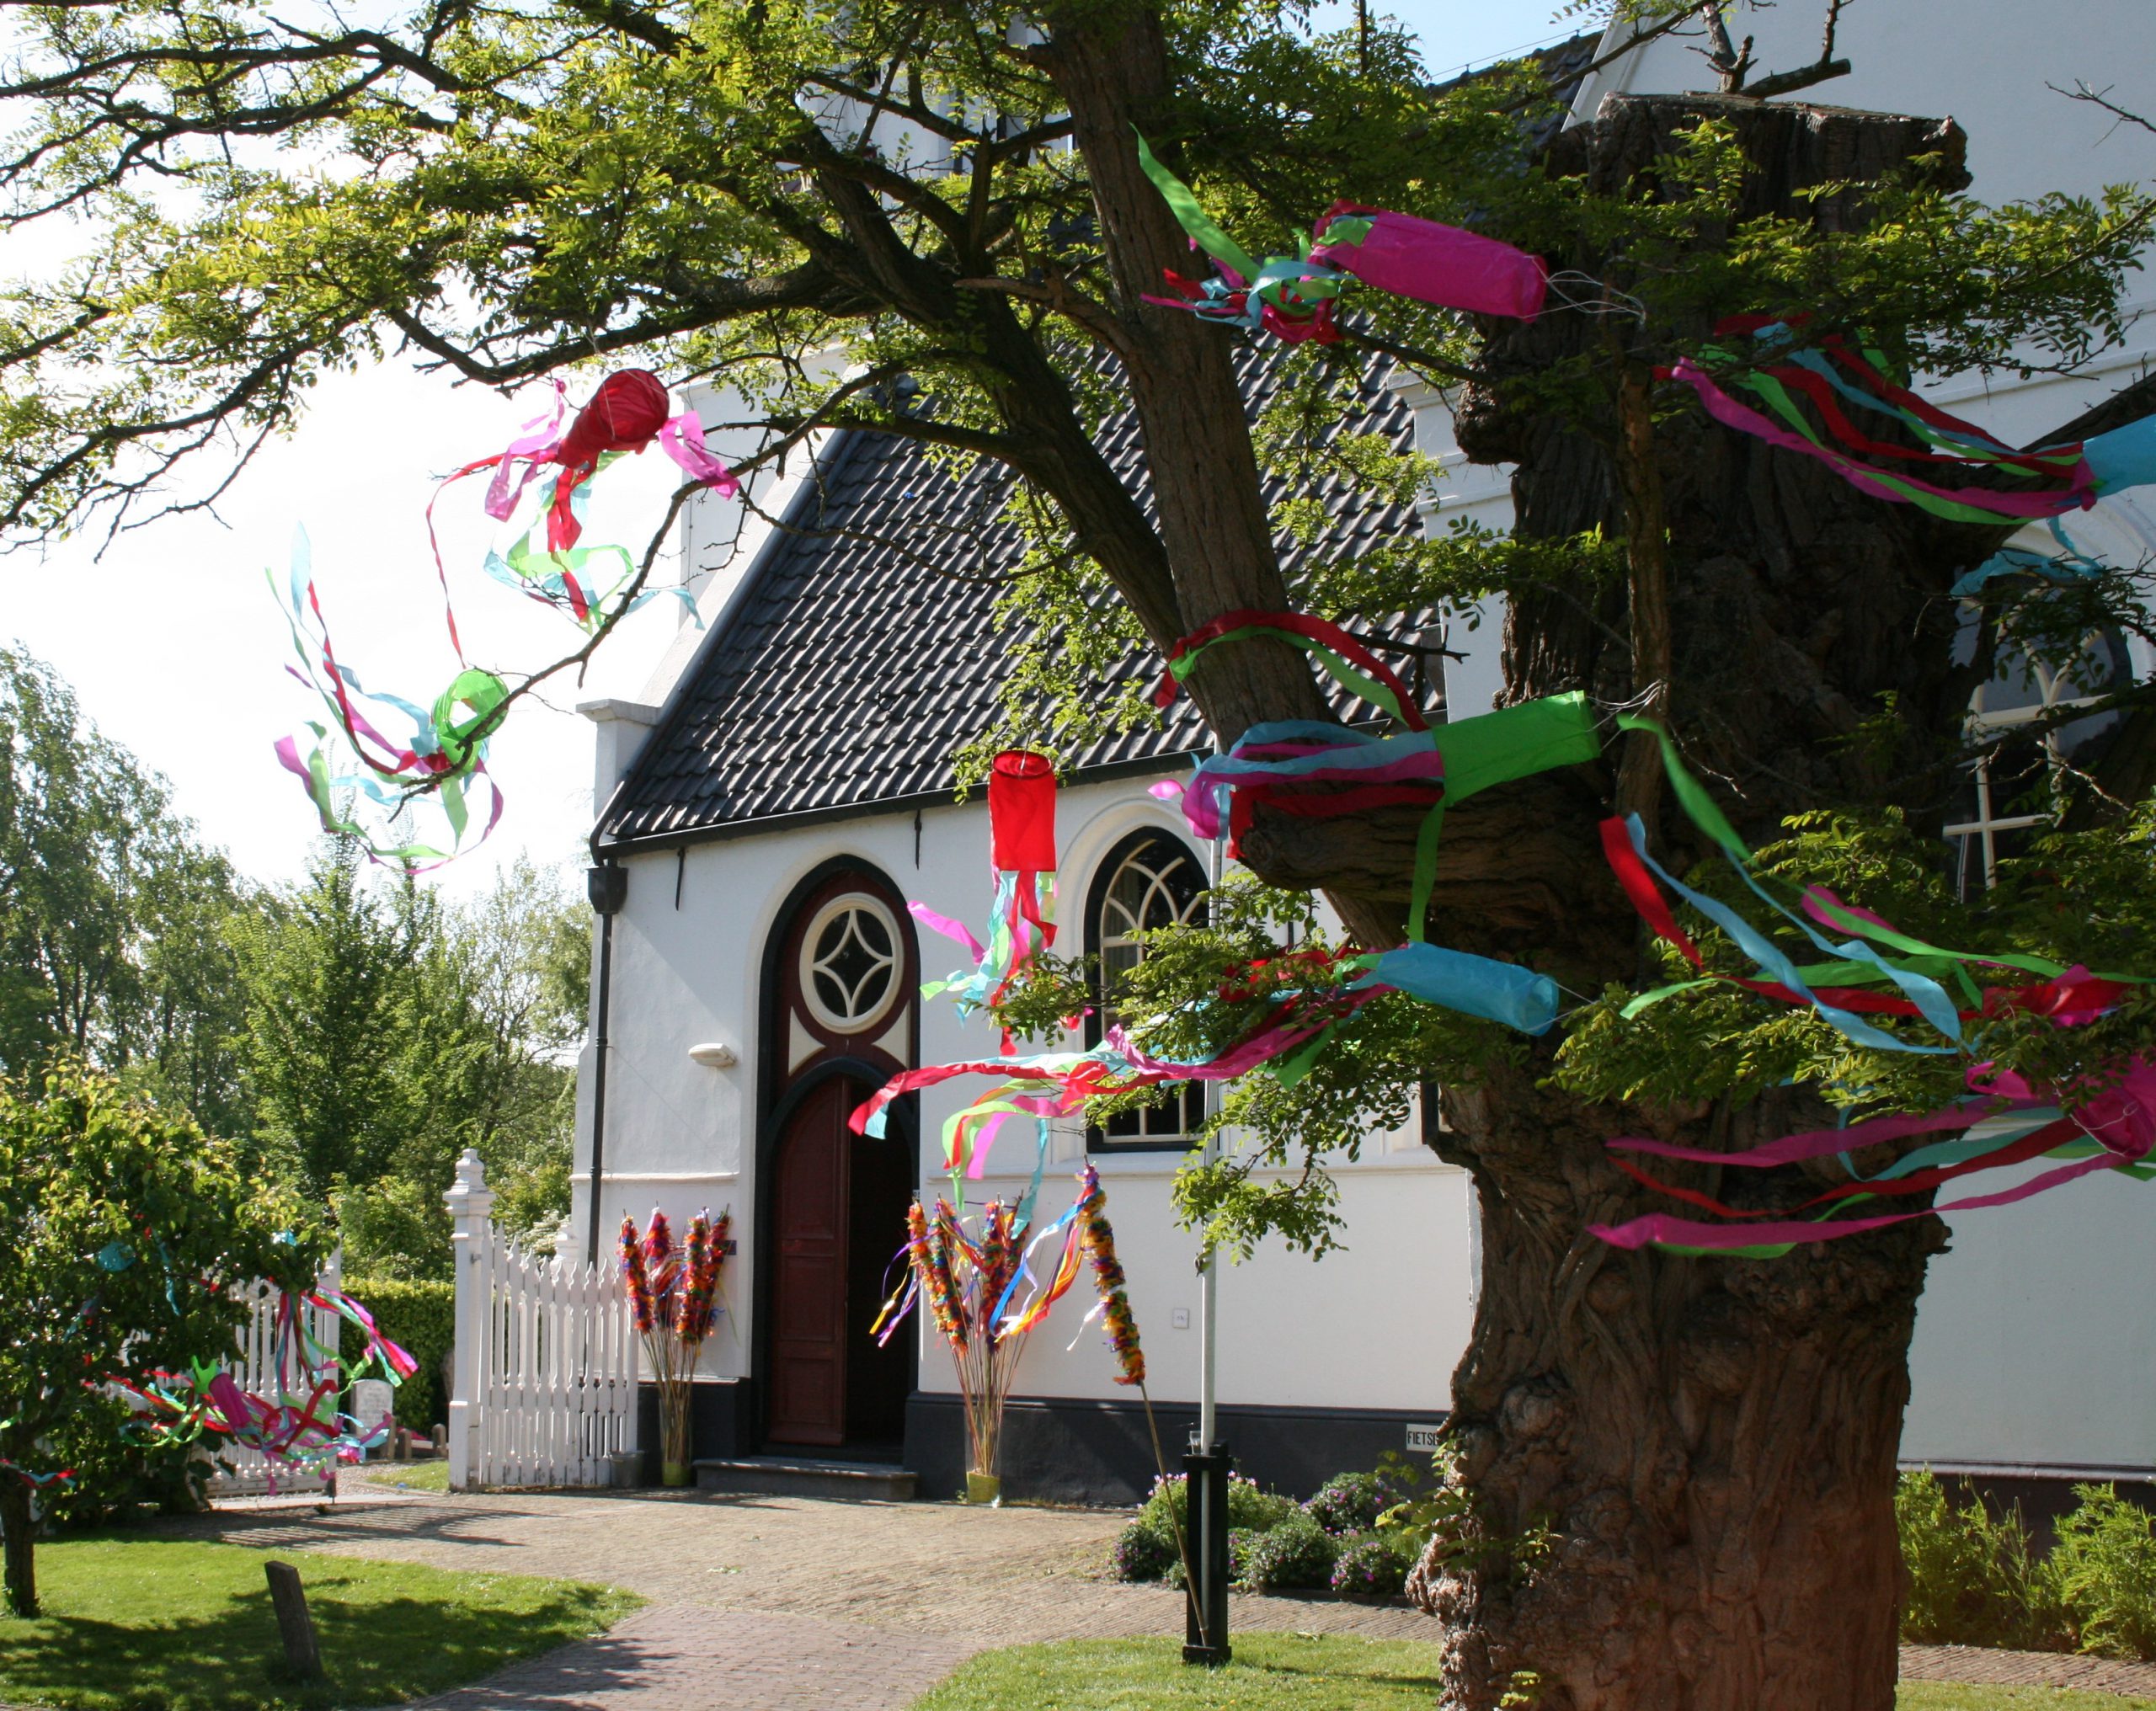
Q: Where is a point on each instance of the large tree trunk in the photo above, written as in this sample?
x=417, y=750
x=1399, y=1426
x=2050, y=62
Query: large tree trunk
x=17, y=1544
x=1681, y=1469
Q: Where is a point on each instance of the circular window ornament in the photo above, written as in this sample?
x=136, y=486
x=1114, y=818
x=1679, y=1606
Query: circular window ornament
x=851, y=964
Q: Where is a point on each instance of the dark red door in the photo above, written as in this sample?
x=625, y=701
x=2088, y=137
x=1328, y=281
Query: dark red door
x=809, y=1199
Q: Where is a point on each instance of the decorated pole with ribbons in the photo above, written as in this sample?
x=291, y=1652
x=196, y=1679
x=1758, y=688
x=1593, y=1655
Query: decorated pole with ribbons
x=674, y=1304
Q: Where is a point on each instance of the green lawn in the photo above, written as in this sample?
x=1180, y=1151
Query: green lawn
x=134, y=1624
x=1939, y=1696
x=410, y=1476
x=1295, y=1672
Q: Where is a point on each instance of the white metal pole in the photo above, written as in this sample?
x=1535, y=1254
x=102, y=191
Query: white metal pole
x=1208, y=1280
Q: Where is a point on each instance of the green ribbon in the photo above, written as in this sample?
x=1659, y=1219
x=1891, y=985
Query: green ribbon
x=1192, y=216
x=1497, y=748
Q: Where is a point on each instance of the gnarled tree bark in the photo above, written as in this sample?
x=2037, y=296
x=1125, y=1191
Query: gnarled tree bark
x=1683, y=1469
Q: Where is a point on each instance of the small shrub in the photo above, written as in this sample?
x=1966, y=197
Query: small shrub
x=1247, y=1505
x=2103, y=1568
x=1295, y=1554
x=117, y=1476
x=1350, y=1503
x=1239, y=1543
x=1372, y=1566
x=1144, y=1550
x=1974, y=1580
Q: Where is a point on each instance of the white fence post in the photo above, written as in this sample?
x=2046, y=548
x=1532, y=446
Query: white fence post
x=470, y=1202
x=545, y=1388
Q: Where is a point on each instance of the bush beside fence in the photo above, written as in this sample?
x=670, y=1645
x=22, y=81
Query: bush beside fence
x=421, y=1316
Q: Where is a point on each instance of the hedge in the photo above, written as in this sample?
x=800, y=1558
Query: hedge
x=421, y=1316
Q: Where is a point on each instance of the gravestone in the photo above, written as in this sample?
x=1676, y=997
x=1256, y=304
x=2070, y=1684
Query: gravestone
x=373, y=1401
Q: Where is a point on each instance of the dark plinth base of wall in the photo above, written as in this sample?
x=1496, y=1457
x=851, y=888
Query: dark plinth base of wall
x=1062, y=1450
x=2044, y=1496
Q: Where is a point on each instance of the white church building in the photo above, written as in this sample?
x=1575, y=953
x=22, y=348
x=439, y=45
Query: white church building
x=766, y=809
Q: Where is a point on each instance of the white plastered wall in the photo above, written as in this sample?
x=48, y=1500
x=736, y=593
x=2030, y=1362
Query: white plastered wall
x=1378, y=1326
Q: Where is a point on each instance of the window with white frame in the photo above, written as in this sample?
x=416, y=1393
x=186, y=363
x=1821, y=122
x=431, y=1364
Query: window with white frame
x=2010, y=778
x=1148, y=881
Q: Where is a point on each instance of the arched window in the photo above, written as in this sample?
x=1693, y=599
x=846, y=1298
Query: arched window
x=1149, y=880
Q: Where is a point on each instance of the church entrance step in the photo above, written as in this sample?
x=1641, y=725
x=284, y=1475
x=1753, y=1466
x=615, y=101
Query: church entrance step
x=806, y=1476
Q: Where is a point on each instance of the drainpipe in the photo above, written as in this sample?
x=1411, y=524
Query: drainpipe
x=607, y=886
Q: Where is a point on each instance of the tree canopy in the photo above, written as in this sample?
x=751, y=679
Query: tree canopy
x=112, y=909
x=387, y=1031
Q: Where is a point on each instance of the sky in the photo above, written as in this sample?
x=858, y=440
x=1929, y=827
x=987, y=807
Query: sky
x=176, y=644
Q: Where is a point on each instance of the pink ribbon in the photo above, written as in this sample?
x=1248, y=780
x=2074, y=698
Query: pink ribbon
x=1691, y=1233
x=541, y=436
x=682, y=438
x=948, y=928
x=2121, y=1119
x=1730, y=414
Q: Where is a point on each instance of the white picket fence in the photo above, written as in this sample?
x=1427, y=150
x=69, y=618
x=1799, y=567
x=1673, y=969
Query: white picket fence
x=244, y=1471
x=545, y=1385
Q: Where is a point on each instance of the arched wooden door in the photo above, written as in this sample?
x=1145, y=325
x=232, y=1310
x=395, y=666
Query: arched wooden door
x=810, y=1204
x=841, y=1018
x=837, y=1202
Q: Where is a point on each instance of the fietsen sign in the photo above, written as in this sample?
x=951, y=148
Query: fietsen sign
x=1423, y=1438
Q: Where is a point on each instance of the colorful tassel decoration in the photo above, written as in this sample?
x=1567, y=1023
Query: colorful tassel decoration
x=673, y=1302
x=637, y=1278
x=1108, y=1280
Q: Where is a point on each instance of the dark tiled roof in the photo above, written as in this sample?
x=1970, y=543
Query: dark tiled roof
x=1566, y=66
x=863, y=653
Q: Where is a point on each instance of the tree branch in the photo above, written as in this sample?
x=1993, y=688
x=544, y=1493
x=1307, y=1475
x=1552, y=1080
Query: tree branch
x=2100, y=98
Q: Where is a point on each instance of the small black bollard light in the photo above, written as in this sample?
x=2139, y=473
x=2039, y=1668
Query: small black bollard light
x=1205, y=1611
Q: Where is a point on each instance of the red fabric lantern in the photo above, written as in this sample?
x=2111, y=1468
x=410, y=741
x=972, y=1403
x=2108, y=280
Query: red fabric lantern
x=624, y=414
x=1022, y=812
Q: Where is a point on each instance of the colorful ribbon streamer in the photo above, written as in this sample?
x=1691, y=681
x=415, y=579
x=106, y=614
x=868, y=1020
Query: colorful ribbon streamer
x=1022, y=920
x=296, y=1425
x=2114, y=1127
x=445, y=758
x=1299, y=767
x=1293, y=297
x=1806, y=390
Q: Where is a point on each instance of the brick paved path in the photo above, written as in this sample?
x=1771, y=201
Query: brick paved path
x=772, y=1603
x=2026, y=1669
x=794, y=1604
x=692, y=1657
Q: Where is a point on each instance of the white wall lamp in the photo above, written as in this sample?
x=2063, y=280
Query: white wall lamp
x=714, y=1054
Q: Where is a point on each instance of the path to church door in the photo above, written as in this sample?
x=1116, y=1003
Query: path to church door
x=838, y=1212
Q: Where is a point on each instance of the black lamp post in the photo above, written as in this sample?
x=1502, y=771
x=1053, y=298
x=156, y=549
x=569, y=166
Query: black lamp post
x=1205, y=1611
